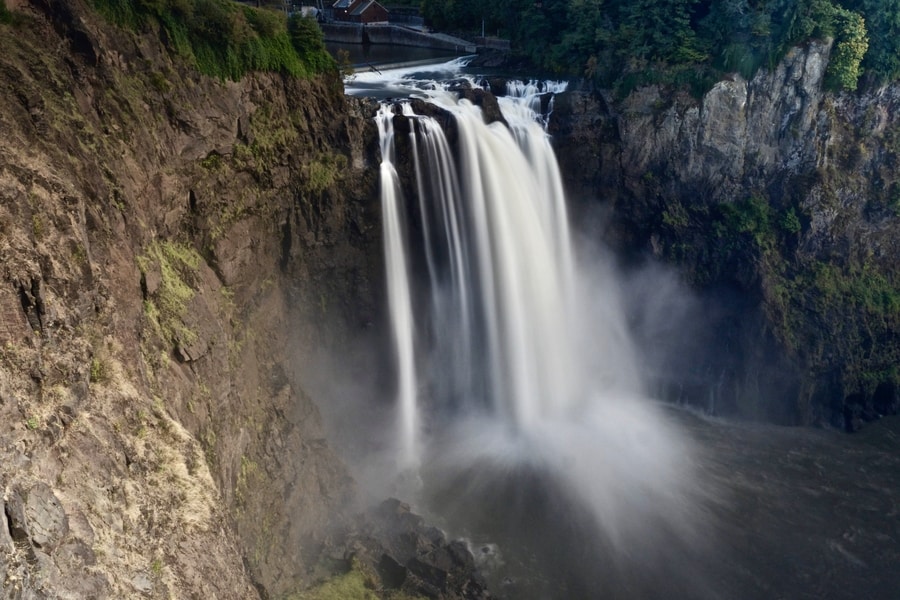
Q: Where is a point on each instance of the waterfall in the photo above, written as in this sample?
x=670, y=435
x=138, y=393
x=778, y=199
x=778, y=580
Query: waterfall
x=497, y=248
x=515, y=355
x=399, y=300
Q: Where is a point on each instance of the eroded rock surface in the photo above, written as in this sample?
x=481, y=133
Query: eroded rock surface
x=777, y=199
x=168, y=242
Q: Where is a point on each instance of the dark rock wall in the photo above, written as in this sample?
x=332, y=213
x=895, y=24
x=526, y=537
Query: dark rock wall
x=168, y=244
x=776, y=200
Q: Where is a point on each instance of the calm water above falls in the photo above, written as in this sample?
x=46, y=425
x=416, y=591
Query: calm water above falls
x=523, y=424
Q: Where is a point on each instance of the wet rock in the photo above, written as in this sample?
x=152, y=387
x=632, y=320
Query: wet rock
x=416, y=558
x=667, y=164
x=490, y=109
x=392, y=573
x=497, y=85
x=491, y=59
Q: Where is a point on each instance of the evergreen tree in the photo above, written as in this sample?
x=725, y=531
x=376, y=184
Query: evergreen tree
x=586, y=42
x=882, y=20
x=659, y=30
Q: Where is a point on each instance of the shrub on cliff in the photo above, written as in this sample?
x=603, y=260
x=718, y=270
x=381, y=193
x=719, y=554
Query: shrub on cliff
x=226, y=39
x=5, y=15
x=851, y=43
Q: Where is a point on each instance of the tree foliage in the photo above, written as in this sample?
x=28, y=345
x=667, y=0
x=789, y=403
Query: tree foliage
x=5, y=15
x=881, y=62
x=612, y=39
x=851, y=43
x=226, y=39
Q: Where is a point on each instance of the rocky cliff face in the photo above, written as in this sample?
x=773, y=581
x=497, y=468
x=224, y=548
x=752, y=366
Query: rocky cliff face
x=165, y=240
x=777, y=200
x=171, y=246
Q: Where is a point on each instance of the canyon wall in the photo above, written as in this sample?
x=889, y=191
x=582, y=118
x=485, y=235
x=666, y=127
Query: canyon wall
x=168, y=243
x=777, y=200
x=173, y=246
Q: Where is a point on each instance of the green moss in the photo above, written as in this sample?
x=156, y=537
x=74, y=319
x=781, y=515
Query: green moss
x=99, y=371
x=862, y=289
x=790, y=222
x=322, y=173
x=159, y=82
x=227, y=39
x=356, y=584
x=212, y=162
x=37, y=227
x=675, y=216
x=165, y=309
x=156, y=567
x=353, y=585
x=248, y=477
x=270, y=134
x=753, y=217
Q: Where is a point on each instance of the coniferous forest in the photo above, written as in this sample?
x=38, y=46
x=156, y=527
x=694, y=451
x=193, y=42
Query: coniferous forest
x=684, y=41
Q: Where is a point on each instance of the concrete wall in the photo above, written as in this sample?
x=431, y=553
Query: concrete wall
x=493, y=43
x=346, y=33
x=355, y=33
x=401, y=36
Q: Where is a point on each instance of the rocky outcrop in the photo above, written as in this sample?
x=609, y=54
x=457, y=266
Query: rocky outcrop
x=776, y=198
x=169, y=244
x=414, y=558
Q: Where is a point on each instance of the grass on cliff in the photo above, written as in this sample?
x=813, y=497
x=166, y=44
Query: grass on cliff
x=226, y=39
x=176, y=265
x=355, y=584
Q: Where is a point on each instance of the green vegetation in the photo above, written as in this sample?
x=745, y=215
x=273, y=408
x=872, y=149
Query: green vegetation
x=249, y=477
x=689, y=42
x=321, y=173
x=5, y=15
x=355, y=584
x=156, y=567
x=227, y=39
x=851, y=43
x=857, y=308
x=99, y=371
x=836, y=314
x=165, y=308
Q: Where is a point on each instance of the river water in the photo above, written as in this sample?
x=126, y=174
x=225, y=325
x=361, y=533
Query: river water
x=523, y=425
x=786, y=513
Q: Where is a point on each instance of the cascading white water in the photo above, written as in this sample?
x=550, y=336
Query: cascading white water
x=395, y=252
x=520, y=358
